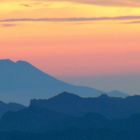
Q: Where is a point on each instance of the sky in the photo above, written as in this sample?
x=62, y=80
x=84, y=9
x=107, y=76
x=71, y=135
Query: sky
x=87, y=42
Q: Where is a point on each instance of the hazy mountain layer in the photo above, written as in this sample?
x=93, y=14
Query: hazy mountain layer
x=21, y=81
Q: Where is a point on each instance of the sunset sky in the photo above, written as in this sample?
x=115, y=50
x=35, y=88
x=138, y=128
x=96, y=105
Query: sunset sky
x=89, y=42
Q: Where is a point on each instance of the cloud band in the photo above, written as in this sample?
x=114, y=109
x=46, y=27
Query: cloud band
x=73, y=19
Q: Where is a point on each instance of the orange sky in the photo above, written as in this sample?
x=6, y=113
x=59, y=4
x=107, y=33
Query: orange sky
x=73, y=48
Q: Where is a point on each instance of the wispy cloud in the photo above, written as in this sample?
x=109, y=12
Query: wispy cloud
x=132, y=22
x=25, y=5
x=109, y=2
x=73, y=19
x=8, y=25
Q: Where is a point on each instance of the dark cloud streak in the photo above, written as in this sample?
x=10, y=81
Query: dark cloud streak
x=73, y=19
x=8, y=25
x=132, y=22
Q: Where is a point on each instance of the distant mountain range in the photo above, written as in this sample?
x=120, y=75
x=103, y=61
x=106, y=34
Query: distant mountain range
x=21, y=81
x=68, y=116
x=116, y=93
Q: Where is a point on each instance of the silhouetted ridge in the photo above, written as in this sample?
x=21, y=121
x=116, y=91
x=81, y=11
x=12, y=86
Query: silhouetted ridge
x=116, y=93
x=27, y=66
x=104, y=97
x=65, y=96
x=18, y=79
x=6, y=67
x=70, y=117
x=4, y=107
x=39, y=120
x=74, y=105
x=6, y=61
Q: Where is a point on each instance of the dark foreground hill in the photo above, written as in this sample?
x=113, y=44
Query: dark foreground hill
x=88, y=127
x=9, y=107
x=70, y=117
x=70, y=111
x=74, y=134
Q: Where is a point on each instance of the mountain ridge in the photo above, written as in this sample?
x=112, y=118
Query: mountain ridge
x=5, y=107
x=21, y=78
x=40, y=118
x=74, y=105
